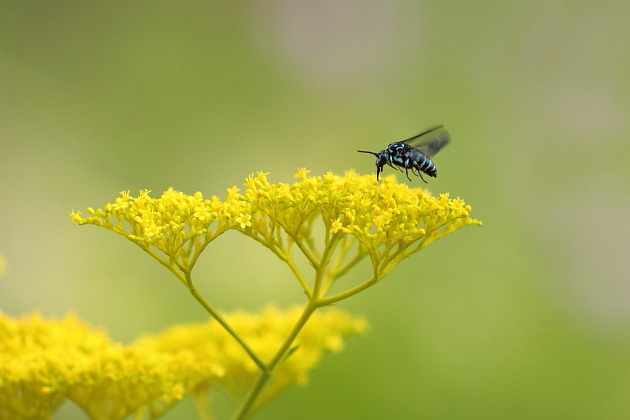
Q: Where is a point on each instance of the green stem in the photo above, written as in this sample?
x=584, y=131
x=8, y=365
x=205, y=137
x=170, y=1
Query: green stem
x=203, y=246
x=351, y=263
x=350, y=292
x=202, y=402
x=285, y=255
x=319, y=288
x=314, y=302
x=261, y=365
x=266, y=374
x=307, y=253
x=170, y=265
x=298, y=274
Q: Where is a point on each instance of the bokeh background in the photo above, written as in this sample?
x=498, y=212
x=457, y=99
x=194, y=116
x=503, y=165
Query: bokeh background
x=526, y=317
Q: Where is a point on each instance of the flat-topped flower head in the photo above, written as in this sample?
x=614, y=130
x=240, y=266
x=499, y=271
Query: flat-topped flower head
x=386, y=220
x=176, y=224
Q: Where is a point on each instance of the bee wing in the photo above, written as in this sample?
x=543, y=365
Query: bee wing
x=429, y=141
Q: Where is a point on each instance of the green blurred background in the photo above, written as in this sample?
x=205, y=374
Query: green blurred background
x=525, y=318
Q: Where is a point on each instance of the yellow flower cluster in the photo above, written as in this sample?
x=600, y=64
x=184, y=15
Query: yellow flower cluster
x=265, y=333
x=386, y=220
x=45, y=361
x=379, y=214
x=176, y=224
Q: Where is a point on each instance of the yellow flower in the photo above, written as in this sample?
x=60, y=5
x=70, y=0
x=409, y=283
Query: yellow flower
x=38, y=360
x=302, y=173
x=232, y=192
x=45, y=361
x=244, y=220
x=234, y=371
x=125, y=195
x=175, y=227
x=384, y=220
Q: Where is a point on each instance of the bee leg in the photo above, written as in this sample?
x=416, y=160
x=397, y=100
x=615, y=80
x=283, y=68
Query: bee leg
x=407, y=173
x=420, y=175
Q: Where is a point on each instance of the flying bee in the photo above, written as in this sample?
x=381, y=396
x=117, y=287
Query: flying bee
x=414, y=153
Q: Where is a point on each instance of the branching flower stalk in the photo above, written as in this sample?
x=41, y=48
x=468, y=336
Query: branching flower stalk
x=332, y=221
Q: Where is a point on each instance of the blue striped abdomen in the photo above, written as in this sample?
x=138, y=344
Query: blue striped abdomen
x=423, y=163
x=407, y=157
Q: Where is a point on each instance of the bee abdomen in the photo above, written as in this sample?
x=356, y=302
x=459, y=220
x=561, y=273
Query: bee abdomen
x=423, y=163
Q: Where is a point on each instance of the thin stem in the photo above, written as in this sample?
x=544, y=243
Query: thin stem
x=315, y=301
x=300, y=243
x=261, y=365
x=203, y=246
x=387, y=264
x=202, y=402
x=338, y=269
x=319, y=288
x=265, y=374
x=298, y=274
x=168, y=264
x=350, y=292
x=351, y=263
x=294, y=236
x=285, y=255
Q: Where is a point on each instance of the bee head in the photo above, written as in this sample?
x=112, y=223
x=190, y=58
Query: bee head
x=381, y=159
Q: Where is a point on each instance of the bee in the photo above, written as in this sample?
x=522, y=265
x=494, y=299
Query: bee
x=414, y=153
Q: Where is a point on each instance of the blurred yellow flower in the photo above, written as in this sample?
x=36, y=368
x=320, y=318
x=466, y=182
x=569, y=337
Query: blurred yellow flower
x=302, y=173
x=45, y=361
x=38, y=360
x=266, y=332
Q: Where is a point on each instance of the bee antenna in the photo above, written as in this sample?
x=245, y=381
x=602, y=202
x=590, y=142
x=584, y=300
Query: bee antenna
x=365, y=151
